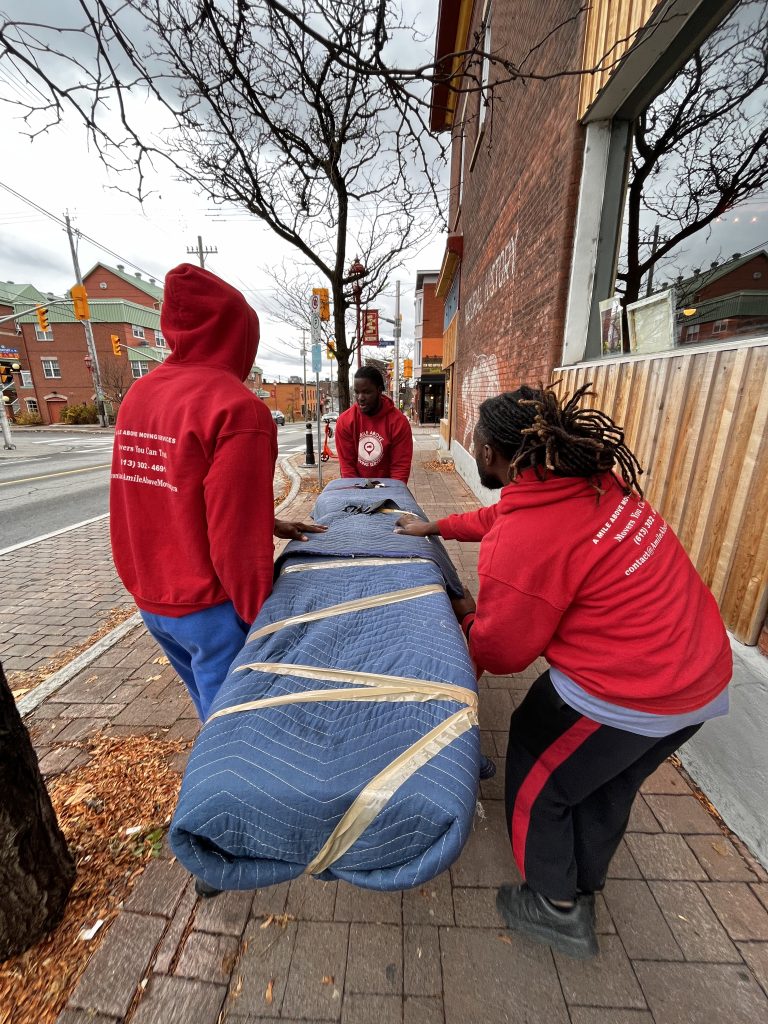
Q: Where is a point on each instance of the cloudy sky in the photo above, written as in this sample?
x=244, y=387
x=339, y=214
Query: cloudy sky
x=58, y=173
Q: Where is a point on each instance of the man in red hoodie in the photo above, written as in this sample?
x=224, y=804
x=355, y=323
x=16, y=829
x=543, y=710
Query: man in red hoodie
x=373, y=438
x=191, y=502
x=576, y=566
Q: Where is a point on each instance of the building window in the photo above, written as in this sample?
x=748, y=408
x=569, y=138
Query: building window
x=160, y=341
x=139, y=368
x=719, y=326
x=51, y=369
x=138, y=332
x=419, y=309
x=44, y=335
x=26, y=379
x=692, y=332
x=32, y=405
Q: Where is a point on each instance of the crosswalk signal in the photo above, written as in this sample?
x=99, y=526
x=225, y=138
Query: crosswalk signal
x=408, y=368
x=42, y=319
x=80, y=302
x=115, y=339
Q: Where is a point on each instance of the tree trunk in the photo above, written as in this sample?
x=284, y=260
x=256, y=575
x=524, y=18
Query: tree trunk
x=36, y=868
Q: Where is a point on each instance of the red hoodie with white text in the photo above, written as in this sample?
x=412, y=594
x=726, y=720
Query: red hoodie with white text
x=375, y=446
x=191, y=501
x=603, y=589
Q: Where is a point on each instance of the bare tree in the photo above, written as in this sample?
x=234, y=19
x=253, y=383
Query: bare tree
x=700, y=148
x=116, y=378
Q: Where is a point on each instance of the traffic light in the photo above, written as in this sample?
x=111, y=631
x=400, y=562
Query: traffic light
x=408, y=368
x=6, y=375
x=80, y=302
x=331, y=349
x=115, y=339
x=325, y=304
x=42, y=319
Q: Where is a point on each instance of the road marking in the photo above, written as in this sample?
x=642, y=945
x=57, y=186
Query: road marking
x=49, y=476
x=55, y=533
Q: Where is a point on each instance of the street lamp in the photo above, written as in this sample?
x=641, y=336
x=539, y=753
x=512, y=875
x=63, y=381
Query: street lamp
x=356, y=271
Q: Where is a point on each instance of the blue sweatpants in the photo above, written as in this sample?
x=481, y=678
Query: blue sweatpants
x=201, y=647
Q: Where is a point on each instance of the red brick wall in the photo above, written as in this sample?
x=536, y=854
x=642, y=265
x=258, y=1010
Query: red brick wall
x=518, y=212
x=69, y=347
x=116, y=288
x=739, y=280
x=432, y=324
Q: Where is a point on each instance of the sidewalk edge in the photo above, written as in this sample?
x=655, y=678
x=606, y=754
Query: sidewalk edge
x=32, y=700
x=290, y=471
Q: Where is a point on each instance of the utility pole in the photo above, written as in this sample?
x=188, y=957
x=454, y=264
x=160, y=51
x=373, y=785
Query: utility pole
x=654, y=247
x=200, y=252
x=89, y=340
x=396, y=385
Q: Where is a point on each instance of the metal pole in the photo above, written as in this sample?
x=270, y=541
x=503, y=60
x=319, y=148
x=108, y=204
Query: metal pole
x=654, y=247
x=396, y=386
x=359, y=346
x=89, y=339
x=5, y=426
x=200, y=251
x=319, y=445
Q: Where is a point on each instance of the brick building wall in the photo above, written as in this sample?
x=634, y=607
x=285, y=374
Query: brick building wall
x=117, y=287
x=517, y=211
x=432, y=324
x=741, y=279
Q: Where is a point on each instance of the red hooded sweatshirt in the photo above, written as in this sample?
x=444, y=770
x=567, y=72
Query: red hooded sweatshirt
x=604, y=590
x=191, y=503
x=375, y=446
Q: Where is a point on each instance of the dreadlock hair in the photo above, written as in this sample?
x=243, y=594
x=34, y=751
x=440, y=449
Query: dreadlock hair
x=372, y=374
x=533, y=427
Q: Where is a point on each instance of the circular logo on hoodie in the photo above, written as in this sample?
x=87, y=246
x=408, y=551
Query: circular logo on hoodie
x=370, y=449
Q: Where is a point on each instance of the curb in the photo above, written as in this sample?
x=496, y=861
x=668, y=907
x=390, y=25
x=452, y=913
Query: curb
x=32, y=700
x=292, y=473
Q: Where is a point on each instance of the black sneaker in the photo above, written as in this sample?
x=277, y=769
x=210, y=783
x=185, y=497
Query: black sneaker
x=569, y=931
x=206, y=891
x=487, y=767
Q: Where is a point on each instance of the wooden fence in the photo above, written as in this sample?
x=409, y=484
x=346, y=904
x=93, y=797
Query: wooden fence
x=697, y=422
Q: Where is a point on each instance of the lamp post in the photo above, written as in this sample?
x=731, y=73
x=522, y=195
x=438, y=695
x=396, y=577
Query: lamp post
x=356, y=271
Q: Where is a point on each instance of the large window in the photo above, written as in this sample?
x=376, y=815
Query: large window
x=138, y=332
x=26, y=379
x=44, y=335
x=695, y=231
x=32, y=405
x=51, y=369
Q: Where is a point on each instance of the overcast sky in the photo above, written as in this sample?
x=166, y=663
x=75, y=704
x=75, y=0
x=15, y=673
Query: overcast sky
x=58, y=173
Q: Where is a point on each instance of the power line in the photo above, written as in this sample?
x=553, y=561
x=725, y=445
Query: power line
x=80, y=234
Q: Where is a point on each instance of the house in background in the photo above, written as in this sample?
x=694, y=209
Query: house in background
x=13, y=350
x=729, y=300
x=429, y=380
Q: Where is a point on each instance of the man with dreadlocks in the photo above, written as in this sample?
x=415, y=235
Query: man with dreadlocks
x=575, y=565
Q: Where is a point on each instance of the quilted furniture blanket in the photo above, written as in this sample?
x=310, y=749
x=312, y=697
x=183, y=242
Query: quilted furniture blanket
x=344, y=741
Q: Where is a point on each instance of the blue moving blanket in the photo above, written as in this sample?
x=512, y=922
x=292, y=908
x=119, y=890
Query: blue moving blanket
x=344, y=741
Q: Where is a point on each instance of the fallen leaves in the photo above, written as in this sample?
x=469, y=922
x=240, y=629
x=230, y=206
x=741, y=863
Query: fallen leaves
x=328, y=979
x=269, y=992
x=162, y=660
x=126, y=780
x=279, y=919
x=437, y=466
x=504, y=938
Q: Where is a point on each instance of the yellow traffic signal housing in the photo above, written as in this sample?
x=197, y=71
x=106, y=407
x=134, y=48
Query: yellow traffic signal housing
x=80, y=302
x=325, y=303
x=408, y=368
x=331, y=350
x=115, y=339
x=6, y=375
x=42, y=319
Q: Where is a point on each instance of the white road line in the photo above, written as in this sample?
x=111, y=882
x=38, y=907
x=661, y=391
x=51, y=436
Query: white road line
x=55, y=533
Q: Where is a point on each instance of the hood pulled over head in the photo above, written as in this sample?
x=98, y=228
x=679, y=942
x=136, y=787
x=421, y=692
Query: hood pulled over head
x=205, y=320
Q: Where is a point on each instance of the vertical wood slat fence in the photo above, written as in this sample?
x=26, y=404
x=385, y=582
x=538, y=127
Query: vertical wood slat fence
x=698, y=423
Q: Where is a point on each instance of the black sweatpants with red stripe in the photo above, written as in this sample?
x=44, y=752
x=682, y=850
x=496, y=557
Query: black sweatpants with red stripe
x=569, y=789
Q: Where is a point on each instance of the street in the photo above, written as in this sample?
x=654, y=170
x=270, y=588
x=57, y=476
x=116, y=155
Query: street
x=54, y=480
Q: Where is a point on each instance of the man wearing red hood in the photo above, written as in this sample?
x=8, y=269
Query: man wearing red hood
x=191, y=501
x=373, y=438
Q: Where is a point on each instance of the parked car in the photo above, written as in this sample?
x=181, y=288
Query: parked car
x=278, y=417
x=330, y=417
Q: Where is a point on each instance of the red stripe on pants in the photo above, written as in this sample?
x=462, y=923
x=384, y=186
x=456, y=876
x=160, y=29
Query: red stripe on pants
x=538, y=777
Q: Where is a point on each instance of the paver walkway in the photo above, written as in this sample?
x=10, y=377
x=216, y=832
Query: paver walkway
x=683, y=922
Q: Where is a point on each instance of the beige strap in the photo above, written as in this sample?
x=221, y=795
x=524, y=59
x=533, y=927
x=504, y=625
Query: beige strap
x=423, y=692
x=350, y=563
x=379, y=791
x=400, y=512
x=447, y=691
x=358, y=605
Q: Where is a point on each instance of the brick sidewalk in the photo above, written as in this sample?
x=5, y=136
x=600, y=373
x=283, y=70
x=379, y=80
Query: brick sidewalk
x=683, y=923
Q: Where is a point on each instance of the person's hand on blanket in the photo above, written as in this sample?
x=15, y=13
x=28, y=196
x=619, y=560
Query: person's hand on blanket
x=415, y=527
x=286, y=529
